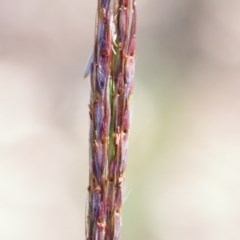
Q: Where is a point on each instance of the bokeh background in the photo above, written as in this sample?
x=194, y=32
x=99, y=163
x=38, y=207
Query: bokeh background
x=183, y=178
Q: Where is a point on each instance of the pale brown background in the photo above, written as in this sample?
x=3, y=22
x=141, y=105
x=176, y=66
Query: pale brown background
x=183, y=178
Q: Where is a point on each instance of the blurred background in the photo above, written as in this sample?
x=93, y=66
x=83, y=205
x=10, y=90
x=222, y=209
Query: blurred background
x=183, y=178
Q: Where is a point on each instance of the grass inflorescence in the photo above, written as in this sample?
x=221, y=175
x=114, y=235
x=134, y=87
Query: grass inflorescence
x=111, y=72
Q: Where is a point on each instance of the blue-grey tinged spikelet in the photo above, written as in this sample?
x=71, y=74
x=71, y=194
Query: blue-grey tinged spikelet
x=112, y=72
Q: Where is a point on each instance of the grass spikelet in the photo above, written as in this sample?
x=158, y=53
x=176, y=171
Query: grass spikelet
x=111, y=71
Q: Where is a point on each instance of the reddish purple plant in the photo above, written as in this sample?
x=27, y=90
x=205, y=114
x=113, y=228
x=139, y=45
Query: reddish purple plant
x=112, y=71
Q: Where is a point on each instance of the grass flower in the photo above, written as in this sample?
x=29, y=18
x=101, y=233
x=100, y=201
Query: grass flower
x=111, y=71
